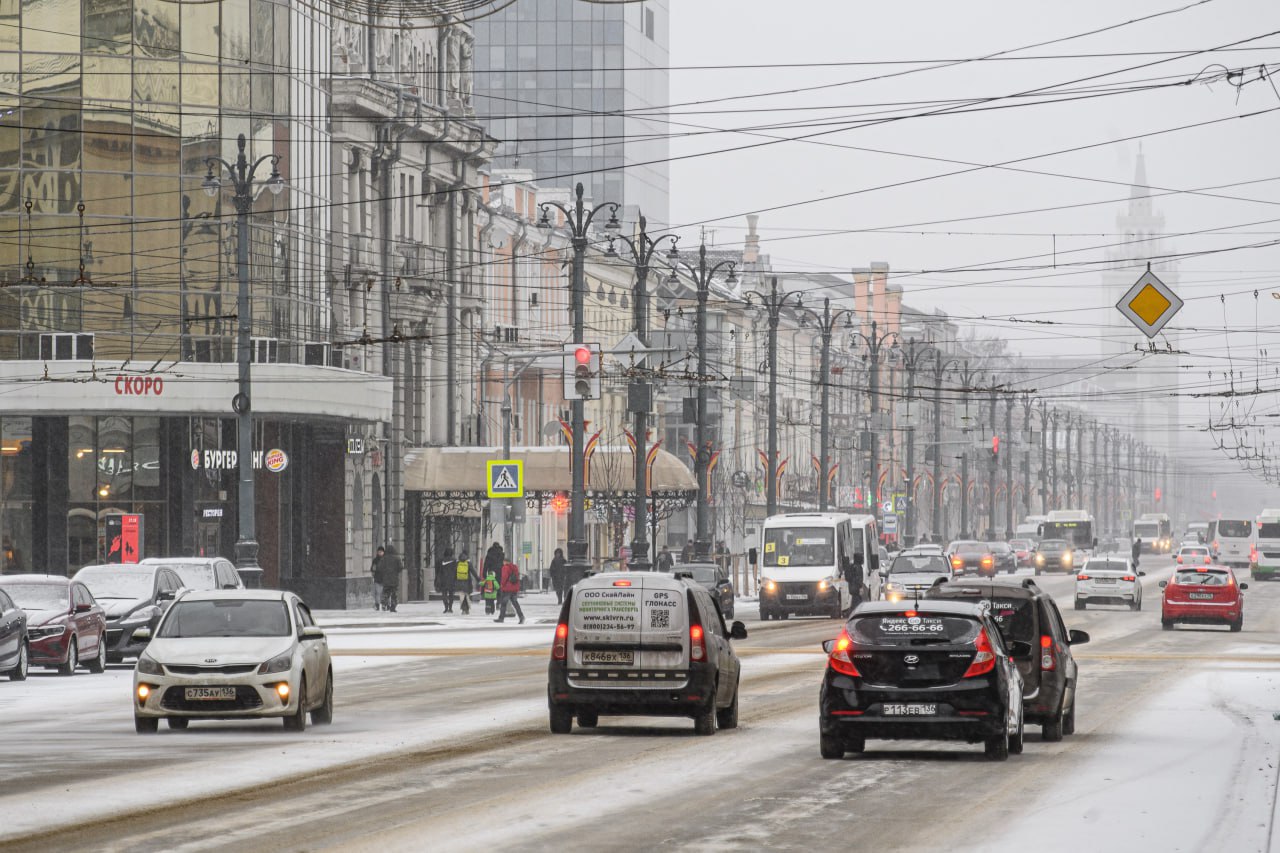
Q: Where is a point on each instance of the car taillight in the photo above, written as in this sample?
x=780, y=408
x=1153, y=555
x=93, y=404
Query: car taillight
x=1130, y=578
x=697, y=644
x=1082, y=577
x=560, y=646
x=1253, y=553
x=840, y=659
x=1048, y=660
x=985, y=660
x=1179, y=558
x=1206, y=559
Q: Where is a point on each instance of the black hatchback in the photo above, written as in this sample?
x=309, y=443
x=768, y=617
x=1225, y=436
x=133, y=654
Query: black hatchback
x=1028, y=618
x=938, y=671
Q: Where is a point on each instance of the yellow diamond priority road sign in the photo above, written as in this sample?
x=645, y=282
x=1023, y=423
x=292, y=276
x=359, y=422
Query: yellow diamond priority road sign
x=1149, y=304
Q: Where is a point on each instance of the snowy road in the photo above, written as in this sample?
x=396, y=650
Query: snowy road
x=440, y=742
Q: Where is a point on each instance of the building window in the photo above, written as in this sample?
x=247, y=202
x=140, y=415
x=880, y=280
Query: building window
x=66, y=347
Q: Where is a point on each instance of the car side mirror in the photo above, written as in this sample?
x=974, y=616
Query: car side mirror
x=737, y=631
x=751, y=556
x=1163, y=584
x=1020, y=649
x=1244, y=586
x=141, y=635
x=82, y=608
x=229, y=586
x=312, y=632
x=828, y=646
x=1142, y=574
x=165, y=595
x=1077, y=638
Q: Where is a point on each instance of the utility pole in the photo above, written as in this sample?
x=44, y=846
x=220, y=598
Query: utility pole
x=826, y=322
x=994, y=464
x=578, y=220
x=1055, y=417
x=1044, y=457
x=1008, y=467
x=913, y=355
x=1097, y=477
x=1068, y=471
x=640, y=392
x=968, y=379
x=772, y=304
x=702, y=275
x=875, y=343
x=941, y=366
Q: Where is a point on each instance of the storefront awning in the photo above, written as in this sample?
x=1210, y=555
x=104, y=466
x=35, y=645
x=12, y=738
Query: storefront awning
x=546, y=469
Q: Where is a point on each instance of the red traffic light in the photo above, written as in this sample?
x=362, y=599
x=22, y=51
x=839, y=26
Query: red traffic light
x=995, y=444
x=582, y=355
x=559, y=503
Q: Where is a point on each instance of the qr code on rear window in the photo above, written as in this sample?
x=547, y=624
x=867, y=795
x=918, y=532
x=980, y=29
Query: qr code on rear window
x=659, y=618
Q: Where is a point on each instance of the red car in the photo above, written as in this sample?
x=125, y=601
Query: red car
x=1205, y=595
x=65, y=627
x=1025, y=551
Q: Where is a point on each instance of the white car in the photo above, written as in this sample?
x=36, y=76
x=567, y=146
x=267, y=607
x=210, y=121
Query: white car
x=231, y=654
x=1194, y=555
x=1108, y=580
x=912, y=574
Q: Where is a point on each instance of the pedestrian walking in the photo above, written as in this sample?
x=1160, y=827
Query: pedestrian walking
x=462, y=584
x=1136, y=551
x=665, y=560
x=373, y=570
x=493, y=560
x=389, y=569
x=853, y=577
x=509, y=592
x=558, y=575
x=686, y=553
x=445, y=569
x=489, y=592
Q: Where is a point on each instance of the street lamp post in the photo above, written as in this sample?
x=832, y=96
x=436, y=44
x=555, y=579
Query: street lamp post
x=941, y=366
x=826, y=322
x=642, y=251
x=913, y=355
x=1008, y=467
x=875, y=344
x=242, y=174
x=578, y=219
x=968, y=377
x=772, y=303
x=702, y=275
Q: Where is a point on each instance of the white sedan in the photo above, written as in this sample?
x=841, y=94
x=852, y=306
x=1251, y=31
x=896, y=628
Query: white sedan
x=1194, y=555
x=230, y=654
x=1108, y=580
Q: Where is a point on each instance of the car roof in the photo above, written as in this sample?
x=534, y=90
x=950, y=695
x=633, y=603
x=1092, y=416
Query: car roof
x=119, y=567
x=242, y=594
x=959, y=608
x=184, y=561
x=606, y=579
x=34, y=578
x=1027, y=588
x=692, y=564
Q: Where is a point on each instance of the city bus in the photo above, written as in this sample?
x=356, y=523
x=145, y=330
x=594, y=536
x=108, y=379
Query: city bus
x=1073, y=525
x=1231, y=541
x=1266, y=545
x=802, y=559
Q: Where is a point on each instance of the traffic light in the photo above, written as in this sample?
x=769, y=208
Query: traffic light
x=995, y=445
x=560, y=503
x=581, y=371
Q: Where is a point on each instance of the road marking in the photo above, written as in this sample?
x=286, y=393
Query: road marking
x=750, y=652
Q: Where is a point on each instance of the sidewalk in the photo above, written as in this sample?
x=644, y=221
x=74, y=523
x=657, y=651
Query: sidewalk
x=540, y=608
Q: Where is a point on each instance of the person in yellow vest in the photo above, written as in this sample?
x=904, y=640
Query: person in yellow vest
x=462, y=582
x=489, y=591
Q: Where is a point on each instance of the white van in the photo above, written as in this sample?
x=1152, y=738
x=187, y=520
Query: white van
x=1266, y=560
x=1231, y=541
x=802, y=561
x=646, y=643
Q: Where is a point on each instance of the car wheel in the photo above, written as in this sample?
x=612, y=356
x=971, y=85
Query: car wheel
x=73, y=660
x=1051, y=729
x=146, y=725
x=323, y=715
x=830, y=746
x=178, y=723
x=561, y=721
x=997, y=747
x=588, y=719
x=1136, y=605
x=1069, y=720
x=837, y=610
x=297, y=721
x=784, y=615
x=1016, y=740
x=1237, y=625
x=1166, y=624
x=1080, y=605
x=99, y=663
x=704, y=722
x=727, y=718
x=19, y=671
x=765, y=615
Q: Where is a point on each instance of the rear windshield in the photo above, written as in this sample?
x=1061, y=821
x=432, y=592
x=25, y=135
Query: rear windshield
x=1015, y=617
x=799, y=546
x=701, y=574
x=898, y=629
x=969, y=548
x=1105, y=566
x=1234, y=529
x=1201, y=578
x=1198, y=550
x=227, y=618
x=196, y=576
x=1269, y=530
x=908, y=563
x=1020, y=544
x=106, y=582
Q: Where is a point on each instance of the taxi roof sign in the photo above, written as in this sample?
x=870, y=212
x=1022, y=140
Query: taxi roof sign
x=1149, y=304
x=505, y=478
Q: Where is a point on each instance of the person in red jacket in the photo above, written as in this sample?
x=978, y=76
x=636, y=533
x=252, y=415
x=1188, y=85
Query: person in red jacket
x=509, y=591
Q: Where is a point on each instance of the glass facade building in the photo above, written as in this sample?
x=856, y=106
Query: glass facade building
x=565, y=86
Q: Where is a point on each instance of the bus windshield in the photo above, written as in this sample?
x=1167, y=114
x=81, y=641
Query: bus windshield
x=799, y=546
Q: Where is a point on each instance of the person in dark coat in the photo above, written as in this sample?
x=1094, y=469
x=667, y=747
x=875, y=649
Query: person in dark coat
x=509, y=592
x=446, y=572
x=665, y=560
x=1136, y=551
x=389, y=569
x=558, y=575
x=377, y=585
x=853, y=577
x=493, y=560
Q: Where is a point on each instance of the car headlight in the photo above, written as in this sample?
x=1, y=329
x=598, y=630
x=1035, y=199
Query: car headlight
x=147, y=666
x=770, y=586
x=893, y=586
x=46, y=631
x=822, y=585
x=138, y=617
x=280, y=663
x=1039, y=558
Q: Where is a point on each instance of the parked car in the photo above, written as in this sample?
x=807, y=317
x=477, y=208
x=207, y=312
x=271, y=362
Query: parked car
x=643, y=643
x=65, y=627
x=133, y=595
x=715, y=579
x=1108, y=580
x=1055, y=555
x=1204, y=595
x=13, y=639
x=201, y=573
x=970, y=557
x=939, y=670
x=232, y=654
x=1025, y=551
x=1025, y=613
x=1005, y=560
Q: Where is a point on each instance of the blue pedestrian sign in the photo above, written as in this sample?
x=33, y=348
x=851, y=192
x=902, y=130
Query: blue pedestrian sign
x=505, y=478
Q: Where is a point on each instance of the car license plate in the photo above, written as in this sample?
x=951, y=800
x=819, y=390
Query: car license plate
x=209, y=693
x=797, y=597
x=621, y=658
x=911, y=709
x=1106, y=580
x=1201, y=596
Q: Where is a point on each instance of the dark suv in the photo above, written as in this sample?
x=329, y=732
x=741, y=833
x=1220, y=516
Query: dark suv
x=937, y=670
x=1028, y=616
x=1005, y=560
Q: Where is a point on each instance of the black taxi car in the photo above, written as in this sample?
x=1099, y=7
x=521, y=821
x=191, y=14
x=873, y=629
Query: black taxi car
x=1028, y=617
x=937, y=670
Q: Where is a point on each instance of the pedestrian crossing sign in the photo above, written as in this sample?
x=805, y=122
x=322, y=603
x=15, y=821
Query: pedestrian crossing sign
x=506, y=478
